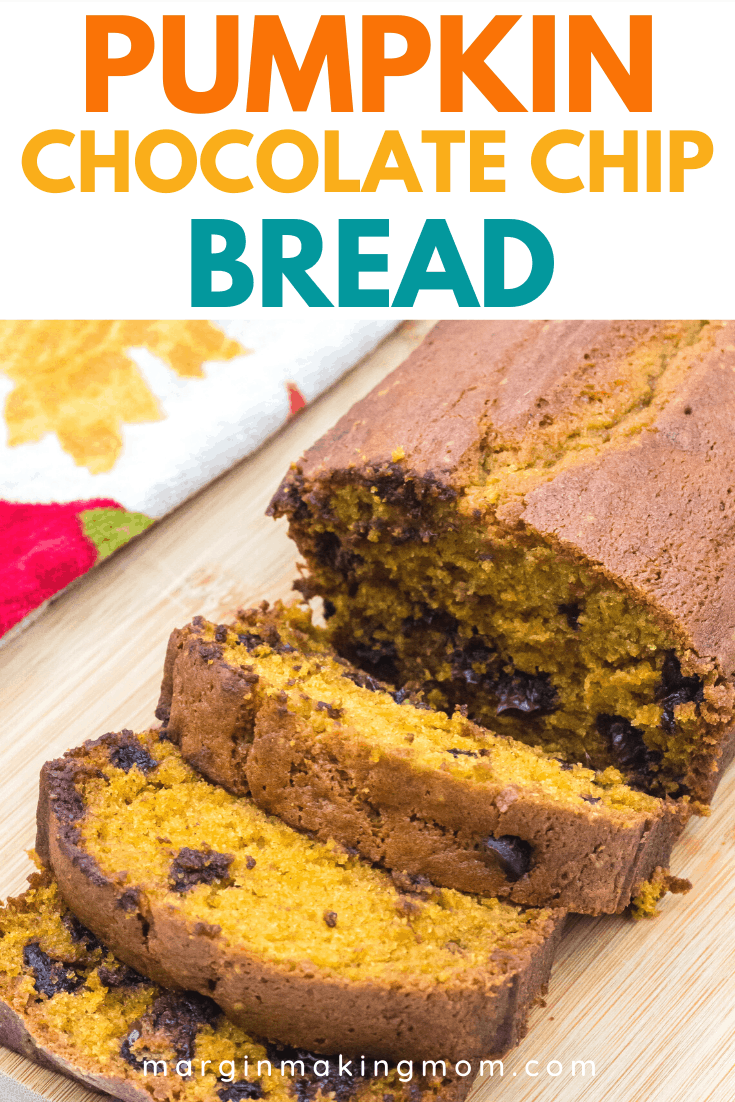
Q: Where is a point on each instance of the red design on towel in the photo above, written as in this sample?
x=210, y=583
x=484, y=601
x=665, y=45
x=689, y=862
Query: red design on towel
x=296, y=400
x=42, y=549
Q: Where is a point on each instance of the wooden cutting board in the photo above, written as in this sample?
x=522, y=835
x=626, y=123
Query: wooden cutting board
x=652, y=1003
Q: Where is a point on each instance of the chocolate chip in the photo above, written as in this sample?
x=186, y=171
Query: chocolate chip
x=288, y=499
x=378, y=659
x=250, y=862
x=592, y=799
x=676, y=689
x=129, y=900
x=363, y=680
x=514, y=855
x=80, y=933
x=121, y=976
x=408, y=696
x=304, y=1088
x=264, y=634
x=525, y=694
x=195, y=866
x=332, y=710
x=473, y=660
x=182, y=1016
x=330, y=917
x=571, y=611
x=330, y=608
x=626, y=741
x=668, y=706
x=126, y=1050
x=466, y=753
x=179, y=1017
x=131, y=753
x=433, y=619
x=220, y=635
x=672, y=679
x=237, y=1092
x=329, y=552
x=627, y=747
x=50, y=976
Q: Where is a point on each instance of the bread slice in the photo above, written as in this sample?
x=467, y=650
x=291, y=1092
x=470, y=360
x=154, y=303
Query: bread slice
x=69, y=1004
x=536, y=520
x=297, y=940
x=265, y=706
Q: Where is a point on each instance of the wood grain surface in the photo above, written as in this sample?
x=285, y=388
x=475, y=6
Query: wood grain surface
x=652, y=1003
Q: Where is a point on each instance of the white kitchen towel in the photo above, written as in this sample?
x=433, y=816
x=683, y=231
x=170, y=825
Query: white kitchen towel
x=208, y=423
x=107, y=426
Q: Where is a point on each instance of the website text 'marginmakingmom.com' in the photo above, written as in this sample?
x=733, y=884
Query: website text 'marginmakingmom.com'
x=406, y=1070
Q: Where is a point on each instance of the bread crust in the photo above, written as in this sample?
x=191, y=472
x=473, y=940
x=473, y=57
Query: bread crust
x=15, y=1034
x=294, y=1005
x=204, y=695
x=654, y=512
x=423, y=823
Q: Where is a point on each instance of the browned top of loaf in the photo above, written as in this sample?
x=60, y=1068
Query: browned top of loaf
x=655, y=509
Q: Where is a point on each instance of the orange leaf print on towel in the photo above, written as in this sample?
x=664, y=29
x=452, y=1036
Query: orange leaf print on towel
x=76, y=379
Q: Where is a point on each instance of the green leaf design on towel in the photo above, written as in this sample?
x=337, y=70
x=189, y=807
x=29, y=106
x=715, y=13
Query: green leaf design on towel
x=109, y=529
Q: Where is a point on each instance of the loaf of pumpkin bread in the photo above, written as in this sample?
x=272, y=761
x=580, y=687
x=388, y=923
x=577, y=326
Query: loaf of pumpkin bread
x=536, y=520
